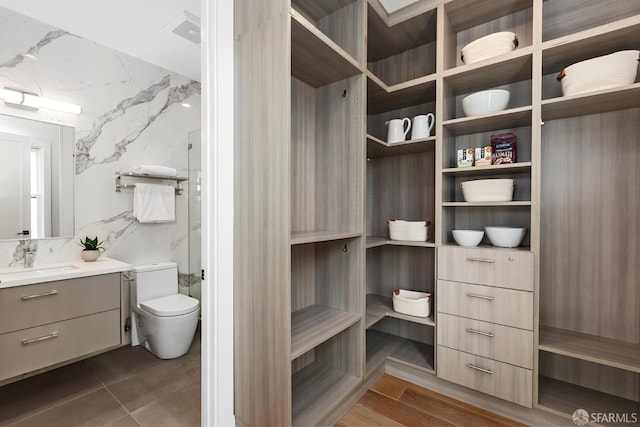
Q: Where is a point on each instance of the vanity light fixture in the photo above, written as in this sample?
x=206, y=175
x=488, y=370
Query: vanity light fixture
x=31, y=101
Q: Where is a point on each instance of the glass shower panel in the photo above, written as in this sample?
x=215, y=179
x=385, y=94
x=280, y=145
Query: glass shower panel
x=195, y=223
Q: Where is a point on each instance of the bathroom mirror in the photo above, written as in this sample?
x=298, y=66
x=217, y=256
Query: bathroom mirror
x=37, y=179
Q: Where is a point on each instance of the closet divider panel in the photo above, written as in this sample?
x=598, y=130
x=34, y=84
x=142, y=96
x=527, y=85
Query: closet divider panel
x=262, y=215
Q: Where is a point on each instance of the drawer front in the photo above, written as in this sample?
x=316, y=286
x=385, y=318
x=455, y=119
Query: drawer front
x=494, y=267
x=30, y=349
x=502, y=343
x=488, y=376
x=496, y=305
x=23, y=307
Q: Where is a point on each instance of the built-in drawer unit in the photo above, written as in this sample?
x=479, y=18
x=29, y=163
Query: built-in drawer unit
x=486, y=375
x=502, y=343
x=494, y=267
x=36, y=348
x=497, y=305
x=27, y=306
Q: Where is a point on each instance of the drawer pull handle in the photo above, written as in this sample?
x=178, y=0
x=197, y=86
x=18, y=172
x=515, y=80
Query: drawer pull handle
x=44, y=294
x=42, y=338
x=486, y=371
x=484, y=334
x=485, y=297
x=127, y=277
x=488, y=261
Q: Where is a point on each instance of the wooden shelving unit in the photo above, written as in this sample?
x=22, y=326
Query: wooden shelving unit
x=515, y=117
x=592, y=103
x=505, y=169
x=381, y=346
x=301, y=237
x=376, y=241
x=379, y=307
x=485, y=204
x=379, y=148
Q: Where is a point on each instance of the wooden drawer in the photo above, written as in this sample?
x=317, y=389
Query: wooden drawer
x=488, y=376
x=496, y=305
x=22, y=352
x=23, y=307
x=494, y=267
x=502, y=343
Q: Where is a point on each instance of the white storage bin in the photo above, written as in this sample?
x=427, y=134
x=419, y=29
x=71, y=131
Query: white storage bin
x=605, y=72
x=489, y=46
x=412, y=303
x=414, y=231
x=488, y=190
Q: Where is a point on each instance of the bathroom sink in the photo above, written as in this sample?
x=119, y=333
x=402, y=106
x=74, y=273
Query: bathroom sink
x=15, y=274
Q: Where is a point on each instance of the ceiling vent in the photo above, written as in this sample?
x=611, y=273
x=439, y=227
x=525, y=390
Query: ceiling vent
x=186, y=25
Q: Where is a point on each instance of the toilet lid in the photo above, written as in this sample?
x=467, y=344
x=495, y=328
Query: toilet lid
x=172, y=305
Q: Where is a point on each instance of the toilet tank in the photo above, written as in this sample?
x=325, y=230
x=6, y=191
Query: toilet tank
x=153, y=281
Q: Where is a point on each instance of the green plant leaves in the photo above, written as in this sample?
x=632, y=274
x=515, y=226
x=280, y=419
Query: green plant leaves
x=91, y=244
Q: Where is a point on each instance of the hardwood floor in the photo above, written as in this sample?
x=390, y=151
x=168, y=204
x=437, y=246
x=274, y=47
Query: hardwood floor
x=392, y=402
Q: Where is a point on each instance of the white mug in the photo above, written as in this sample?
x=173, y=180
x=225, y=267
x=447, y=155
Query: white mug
x=422, y=126
x=397, y=132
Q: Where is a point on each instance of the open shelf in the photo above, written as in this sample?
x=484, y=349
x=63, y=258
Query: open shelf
x=564, y=51
x=563, y=399
x=592, y=103
x=382, y=98
x=376, y=241
x=302, y=237
x=465, y=14
x=512, y=118
x=316, y=389
x=381, y=346
x=379, y=306
x=505, y=169
x=316, y=59
x=605, y=351
x=378, y=148
x=488, y=204
x=315, y=324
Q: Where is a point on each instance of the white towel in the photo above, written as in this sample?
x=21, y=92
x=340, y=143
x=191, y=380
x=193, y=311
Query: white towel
x=154, y=203
x=155, y=170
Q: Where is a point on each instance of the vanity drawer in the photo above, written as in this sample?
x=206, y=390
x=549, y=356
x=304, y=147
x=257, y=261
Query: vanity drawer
x=502, y=343
x=35, y=348
x=496, y=305
x=494, y=267
x=23, y=307
x=488, y=376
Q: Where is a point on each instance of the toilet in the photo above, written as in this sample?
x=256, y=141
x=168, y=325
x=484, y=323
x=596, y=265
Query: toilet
x=163, y=320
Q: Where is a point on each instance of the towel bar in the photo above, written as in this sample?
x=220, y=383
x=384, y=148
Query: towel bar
x=120, y=186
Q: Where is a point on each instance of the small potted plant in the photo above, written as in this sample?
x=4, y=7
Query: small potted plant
x=92, y=249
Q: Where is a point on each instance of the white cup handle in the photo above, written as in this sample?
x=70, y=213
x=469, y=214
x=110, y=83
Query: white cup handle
x=431, y=120
x=408, y=121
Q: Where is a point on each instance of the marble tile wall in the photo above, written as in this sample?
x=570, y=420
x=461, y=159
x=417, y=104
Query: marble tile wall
x=132, y=114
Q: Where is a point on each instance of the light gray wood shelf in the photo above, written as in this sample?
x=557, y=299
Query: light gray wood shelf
x=564, y=51
x=381, y=346
x=563, y=399
x=301, y=237
x=316, y=59
x=376, y=241
x=512, y=118
x=604, y=351
x=463, y=14
x=314, y=325
x=382, y=98
x=508, y=68
x=378, y=148
x=591, y=103
x=490, y=170
x=379, y=306
x=316, y=389
x=486, y=204
x=493, y=248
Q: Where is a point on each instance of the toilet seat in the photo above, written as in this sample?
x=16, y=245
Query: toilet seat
x=172, y=305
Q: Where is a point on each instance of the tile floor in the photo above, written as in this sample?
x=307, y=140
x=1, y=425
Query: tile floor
x=125, y=387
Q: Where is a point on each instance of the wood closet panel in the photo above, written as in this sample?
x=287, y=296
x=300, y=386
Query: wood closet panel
x=399, y=267
x=589, y=269
x=400, y=187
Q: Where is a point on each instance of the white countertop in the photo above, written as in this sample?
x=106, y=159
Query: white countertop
x=19, y=276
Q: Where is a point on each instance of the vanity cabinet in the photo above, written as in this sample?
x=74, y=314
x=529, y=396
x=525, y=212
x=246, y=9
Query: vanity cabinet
x=45, y=324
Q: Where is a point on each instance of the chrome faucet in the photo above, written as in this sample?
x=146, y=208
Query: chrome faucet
x=29, y=253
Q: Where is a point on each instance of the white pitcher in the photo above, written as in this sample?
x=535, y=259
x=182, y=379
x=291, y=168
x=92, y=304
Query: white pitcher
x=422, y=126
x=397, y=132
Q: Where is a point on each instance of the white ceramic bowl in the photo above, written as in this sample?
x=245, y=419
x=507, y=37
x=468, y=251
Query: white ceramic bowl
x=468, y=237
x=505, y=237
x=489, y=46
x=604, y=72
x=485, y=102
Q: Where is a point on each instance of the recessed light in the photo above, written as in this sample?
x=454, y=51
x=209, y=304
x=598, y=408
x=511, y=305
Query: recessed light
x=29, y=56
x=184, y=104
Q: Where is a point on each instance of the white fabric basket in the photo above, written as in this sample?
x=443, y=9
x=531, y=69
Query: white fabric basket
x=412, y=303
x=488, y=190
x=414, y=231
